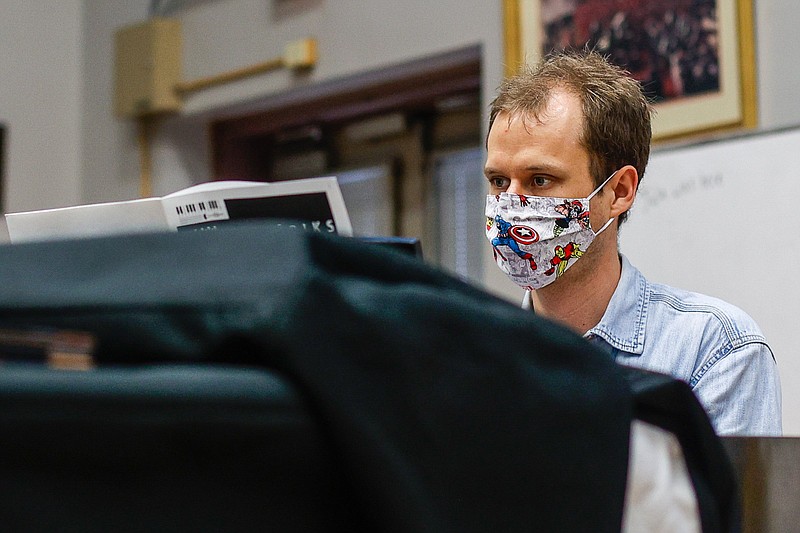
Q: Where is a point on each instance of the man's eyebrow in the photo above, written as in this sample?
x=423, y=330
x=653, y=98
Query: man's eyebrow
x=530, y=168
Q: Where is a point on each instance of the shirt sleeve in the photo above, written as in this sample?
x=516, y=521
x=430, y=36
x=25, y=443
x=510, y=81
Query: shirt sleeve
x=741, y=392
x=659, y=496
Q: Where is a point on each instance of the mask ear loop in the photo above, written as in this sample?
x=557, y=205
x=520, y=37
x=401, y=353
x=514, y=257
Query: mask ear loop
x=607, y=224
x=598, y=189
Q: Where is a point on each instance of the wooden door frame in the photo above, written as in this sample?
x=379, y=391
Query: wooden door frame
x=237, y=143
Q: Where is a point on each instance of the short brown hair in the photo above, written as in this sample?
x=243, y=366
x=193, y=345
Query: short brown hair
x=616, y=128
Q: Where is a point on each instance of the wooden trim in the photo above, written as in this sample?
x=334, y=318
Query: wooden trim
x=392, y=95
x=511, y=36
x=186, y=87
x=747, y=64
x=143, y=138
x=405, y=88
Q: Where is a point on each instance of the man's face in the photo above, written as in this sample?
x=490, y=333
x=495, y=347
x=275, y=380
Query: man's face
x=542, y=157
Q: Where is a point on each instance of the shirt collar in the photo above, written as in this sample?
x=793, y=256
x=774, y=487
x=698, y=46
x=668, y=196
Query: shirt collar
x=623, y=323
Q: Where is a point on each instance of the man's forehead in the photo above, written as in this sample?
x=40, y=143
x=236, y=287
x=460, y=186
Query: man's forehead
x=560, y=105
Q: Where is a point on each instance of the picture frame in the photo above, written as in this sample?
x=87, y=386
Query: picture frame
x=686, y=104
x=2, y=167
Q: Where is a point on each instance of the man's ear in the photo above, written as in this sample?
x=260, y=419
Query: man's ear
x=623, y=186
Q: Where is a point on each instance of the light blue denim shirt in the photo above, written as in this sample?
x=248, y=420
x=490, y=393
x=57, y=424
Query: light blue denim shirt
x=712, y=345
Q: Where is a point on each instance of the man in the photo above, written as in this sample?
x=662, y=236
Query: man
x=567, y=147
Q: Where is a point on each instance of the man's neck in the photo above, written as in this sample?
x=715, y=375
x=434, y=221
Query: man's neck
x=580, y=298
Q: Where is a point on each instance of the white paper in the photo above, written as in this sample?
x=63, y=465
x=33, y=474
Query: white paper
x=112, y=218
x=203, y=204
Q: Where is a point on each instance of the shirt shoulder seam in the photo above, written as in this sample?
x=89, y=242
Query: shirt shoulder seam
x=724, y=351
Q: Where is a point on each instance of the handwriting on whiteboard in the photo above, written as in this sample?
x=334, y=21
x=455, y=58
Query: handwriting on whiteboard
x=652, y=195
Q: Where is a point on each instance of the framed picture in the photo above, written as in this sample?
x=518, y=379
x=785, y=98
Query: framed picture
x=694, y=58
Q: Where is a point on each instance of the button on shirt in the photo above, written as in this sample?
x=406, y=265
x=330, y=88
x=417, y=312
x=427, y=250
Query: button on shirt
x=712, y=345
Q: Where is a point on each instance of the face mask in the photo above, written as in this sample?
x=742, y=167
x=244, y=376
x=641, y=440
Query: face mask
x=535, y=239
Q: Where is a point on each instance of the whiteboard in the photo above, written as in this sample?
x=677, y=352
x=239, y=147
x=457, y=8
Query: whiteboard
x=721, y=218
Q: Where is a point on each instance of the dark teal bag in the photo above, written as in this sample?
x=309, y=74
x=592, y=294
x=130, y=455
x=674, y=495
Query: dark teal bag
x=440, y=407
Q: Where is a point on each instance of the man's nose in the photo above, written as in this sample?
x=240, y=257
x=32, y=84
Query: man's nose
x=514, y=187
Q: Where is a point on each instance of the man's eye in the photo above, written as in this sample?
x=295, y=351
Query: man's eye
x=540, y=181
x=499, y=183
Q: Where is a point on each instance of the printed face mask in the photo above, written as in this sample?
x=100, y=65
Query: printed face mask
x=535, y=239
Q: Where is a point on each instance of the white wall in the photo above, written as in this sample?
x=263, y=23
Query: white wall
x=40, y=101
x=777, y=51
x=110, y=168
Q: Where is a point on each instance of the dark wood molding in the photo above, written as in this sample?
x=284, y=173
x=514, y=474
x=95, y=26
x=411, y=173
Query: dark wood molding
x=239, y=142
